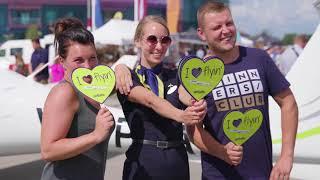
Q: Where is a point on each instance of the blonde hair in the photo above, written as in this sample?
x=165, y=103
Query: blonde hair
x=209, y=7
x=19, y=59
x=148, y=19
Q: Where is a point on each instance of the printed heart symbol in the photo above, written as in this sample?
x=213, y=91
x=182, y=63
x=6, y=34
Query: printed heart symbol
x=201, y=80
x=237, y=122
x=97, y=83
x=239, y=127
x=87, y=79
x=196, y=72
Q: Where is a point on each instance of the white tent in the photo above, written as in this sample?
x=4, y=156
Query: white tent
x=244, y=41
x=128, y=60
x=115, y=32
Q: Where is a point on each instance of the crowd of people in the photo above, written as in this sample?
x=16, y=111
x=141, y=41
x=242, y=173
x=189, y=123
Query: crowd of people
x=76, y=130
x=285, y=56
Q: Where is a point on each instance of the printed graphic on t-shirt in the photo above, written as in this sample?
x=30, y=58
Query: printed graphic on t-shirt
x=239, y=127
x=172, y=88
x=238, y=90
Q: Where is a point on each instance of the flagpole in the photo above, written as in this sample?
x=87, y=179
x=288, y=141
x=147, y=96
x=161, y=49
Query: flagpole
x=89, y=18
x=140, y=9
x=136, y=7
x=93, y=15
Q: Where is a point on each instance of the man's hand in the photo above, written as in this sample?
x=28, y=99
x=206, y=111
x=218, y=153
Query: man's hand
x=282, y=168
x=233, y=154
x=289, y=125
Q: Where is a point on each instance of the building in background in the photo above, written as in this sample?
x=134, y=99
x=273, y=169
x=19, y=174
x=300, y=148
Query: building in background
x=188, y=17
x=16, y=16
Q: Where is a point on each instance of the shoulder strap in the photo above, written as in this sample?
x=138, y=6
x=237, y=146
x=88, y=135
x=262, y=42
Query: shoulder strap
x=295, y=51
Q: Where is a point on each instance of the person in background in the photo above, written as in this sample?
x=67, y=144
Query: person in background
x=200, y=52
x=274, y=50
x=291, y=54
x=250, y=76
x=259, y=43
x=39, y=58
x=75, y=129
x=20, y=67
x=56, y=71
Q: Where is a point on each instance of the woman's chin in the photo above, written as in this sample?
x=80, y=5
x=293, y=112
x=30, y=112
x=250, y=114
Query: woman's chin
x=156, y=60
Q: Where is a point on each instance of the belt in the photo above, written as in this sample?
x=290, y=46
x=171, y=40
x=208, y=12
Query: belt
x=159, y=144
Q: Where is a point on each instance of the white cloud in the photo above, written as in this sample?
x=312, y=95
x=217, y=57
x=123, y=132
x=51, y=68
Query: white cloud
x=275, y=16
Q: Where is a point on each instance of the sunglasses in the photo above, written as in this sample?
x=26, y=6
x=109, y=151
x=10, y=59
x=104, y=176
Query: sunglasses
x=153, y=40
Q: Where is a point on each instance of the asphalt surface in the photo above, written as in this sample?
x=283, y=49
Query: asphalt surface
x=29, y=167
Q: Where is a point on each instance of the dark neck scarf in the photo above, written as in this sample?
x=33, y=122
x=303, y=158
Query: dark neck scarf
x=150, y=77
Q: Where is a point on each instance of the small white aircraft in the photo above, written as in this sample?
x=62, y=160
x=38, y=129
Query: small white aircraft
x=21, y=105
x=304, y=78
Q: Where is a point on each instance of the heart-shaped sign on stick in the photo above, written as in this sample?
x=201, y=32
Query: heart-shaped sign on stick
x=199, y=77
x=97, y=83
x=239, y=127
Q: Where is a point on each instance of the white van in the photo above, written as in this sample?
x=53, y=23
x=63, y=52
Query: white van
x=24, y=46
x=9, y=48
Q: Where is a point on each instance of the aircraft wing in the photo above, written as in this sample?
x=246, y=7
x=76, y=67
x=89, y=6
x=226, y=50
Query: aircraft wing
x=20, y=125
x=304, y=78
x=22, y=101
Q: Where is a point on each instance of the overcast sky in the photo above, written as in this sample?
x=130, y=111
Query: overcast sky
x=277, y=17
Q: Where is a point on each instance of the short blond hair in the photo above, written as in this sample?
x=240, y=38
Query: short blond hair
x=148, y=19
x=210, y=7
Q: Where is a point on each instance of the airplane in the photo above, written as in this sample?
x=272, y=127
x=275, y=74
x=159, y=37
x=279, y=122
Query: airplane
x=22, y=101
x=305, y=86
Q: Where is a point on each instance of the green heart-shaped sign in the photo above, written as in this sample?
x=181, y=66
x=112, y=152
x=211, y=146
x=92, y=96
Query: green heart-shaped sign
x=240, y=127
x=199, y=77
x=97, y=83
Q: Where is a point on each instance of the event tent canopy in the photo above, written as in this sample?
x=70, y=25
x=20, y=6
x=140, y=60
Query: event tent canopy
x=115, y=32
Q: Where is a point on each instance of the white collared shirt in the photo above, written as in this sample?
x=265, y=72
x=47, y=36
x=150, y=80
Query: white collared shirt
x=288, y=58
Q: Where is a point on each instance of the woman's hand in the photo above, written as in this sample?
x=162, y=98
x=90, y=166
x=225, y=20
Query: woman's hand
x=195, y=113
x=200, y=107
x=123, y=79
x=104, y=124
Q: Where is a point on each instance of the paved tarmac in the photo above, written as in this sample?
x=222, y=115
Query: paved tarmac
x=29, y=167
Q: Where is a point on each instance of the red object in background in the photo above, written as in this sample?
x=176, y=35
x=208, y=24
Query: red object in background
x=11, y=67
x=23, y=71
